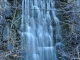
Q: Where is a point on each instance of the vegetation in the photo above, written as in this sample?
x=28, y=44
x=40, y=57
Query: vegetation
x=9, y=30
x=68, y=13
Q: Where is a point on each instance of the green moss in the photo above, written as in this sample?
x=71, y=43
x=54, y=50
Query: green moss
x=60, y=5
x=67, y=26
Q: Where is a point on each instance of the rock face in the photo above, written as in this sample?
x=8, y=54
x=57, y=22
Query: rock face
x=4, y=13
x=68, y=13
x=8, y=13
x=9, y=36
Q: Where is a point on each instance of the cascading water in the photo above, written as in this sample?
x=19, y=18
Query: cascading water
x=37, y=31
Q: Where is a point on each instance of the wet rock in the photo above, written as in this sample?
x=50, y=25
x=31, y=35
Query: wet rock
x=9, y=46
x=1, y=28
x=2, y=20
x=8, y=13
x=5, y=33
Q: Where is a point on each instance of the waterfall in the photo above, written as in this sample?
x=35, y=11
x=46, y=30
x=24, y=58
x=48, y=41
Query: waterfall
x=37, y=30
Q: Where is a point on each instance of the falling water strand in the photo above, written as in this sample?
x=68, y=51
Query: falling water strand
x=37, y=30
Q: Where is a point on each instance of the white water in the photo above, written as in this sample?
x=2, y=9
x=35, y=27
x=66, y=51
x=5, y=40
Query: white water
x=37, y=31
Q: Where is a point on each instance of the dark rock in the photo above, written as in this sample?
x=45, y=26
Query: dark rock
x=2, y=47
x=8, y=18
x=63, y=0
x=5, y=41
x=8, y=13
